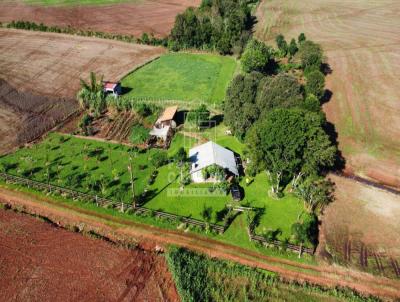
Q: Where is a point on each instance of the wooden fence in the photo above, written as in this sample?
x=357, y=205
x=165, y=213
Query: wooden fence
x=99, y=201
x=277, y=243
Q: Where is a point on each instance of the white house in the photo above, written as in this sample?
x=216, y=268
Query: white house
x=209, y=154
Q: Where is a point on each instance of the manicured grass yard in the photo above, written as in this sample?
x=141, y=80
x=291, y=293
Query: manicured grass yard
x=183, y=77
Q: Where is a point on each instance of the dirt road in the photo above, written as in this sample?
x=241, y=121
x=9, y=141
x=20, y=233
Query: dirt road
x=149, y=236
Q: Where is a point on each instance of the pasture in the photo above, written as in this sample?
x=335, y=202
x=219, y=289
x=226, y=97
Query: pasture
x=128, y=17
x=361, y=41
x=183, y=77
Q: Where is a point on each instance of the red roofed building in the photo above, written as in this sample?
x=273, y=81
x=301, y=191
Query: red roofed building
x=112, y=87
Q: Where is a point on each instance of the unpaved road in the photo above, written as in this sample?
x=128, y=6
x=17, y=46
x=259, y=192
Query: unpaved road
x=67, y=214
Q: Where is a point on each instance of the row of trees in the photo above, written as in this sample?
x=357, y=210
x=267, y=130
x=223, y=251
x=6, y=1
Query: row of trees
x=222, y=25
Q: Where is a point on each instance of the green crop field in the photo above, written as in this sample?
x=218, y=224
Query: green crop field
x=76, y=2
x=183, y=77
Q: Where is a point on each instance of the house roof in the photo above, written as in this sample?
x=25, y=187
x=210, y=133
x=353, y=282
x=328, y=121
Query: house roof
x=168, y=114
x=211, y=153
x=110, y=85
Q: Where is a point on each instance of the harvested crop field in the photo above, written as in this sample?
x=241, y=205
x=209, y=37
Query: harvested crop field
x=25, y=116
x=361, y=41
x=130, y=17
x=361, y=228
x=52, y=64
x=66, y=266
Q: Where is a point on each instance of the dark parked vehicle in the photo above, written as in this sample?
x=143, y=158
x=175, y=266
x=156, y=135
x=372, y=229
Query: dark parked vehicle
x=235, y=192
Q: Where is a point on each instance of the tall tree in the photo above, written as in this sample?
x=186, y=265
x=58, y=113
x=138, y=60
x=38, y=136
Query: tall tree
x=91, y=95
x=282, y=44
x=287, y=142
x=240, y=108
x=281, y=91
x=256, y=56
x=315, y=83
x=293, y=47
x=311, y=54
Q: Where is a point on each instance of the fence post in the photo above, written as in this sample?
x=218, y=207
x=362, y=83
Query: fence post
x=97, y=204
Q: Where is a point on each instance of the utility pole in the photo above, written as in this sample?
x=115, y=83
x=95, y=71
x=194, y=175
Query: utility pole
x=130, y=168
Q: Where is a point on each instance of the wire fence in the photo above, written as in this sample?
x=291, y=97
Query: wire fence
x=104, y=202
x=123, y=207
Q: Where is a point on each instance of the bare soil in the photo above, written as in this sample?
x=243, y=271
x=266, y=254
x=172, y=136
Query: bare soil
x=151, y=16
x=40, y=262
x=361, y=228
x=150, y=237
x=25, y=116
x=52, y=64
x=42, y=73
x=361, y=41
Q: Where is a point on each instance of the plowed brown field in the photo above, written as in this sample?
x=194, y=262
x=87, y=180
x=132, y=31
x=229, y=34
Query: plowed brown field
x=39, y=262
x=150, y=16
x=52, y=64
x=44, y=69
x=362, y=44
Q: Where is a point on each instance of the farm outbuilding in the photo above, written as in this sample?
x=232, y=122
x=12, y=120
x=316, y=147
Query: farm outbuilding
x=167, y=118
x=112, y=87
x=209, y=154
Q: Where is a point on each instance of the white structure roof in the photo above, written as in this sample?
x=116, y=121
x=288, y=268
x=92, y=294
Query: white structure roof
x=160, y=132
x=209, y=154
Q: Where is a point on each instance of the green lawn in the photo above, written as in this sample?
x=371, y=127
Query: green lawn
x=77, y=2
x=183, y=77
x=85, y=164
x=181, y=140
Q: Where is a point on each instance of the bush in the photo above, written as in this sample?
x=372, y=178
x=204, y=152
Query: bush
x=143, y=110
x=159, y=158
x=139, y=134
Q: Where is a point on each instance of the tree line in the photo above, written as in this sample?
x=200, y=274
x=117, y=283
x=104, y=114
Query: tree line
x=221, y=25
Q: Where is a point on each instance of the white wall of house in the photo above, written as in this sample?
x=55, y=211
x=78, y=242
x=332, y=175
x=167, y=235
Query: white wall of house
x=197, y=177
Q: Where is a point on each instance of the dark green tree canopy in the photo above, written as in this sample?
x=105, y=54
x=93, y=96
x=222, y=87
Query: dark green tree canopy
x=310, y=54
x=289, y=141
x=256, y=56
x=240, y=107
x=315, y=83
x=282, y=90
x=216, y=24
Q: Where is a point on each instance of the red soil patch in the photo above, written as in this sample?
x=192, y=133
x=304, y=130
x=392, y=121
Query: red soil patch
x=150, y=16
x=40, y=262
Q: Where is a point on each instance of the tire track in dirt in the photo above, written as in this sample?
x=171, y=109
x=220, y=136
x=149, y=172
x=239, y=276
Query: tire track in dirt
x=322, y=275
